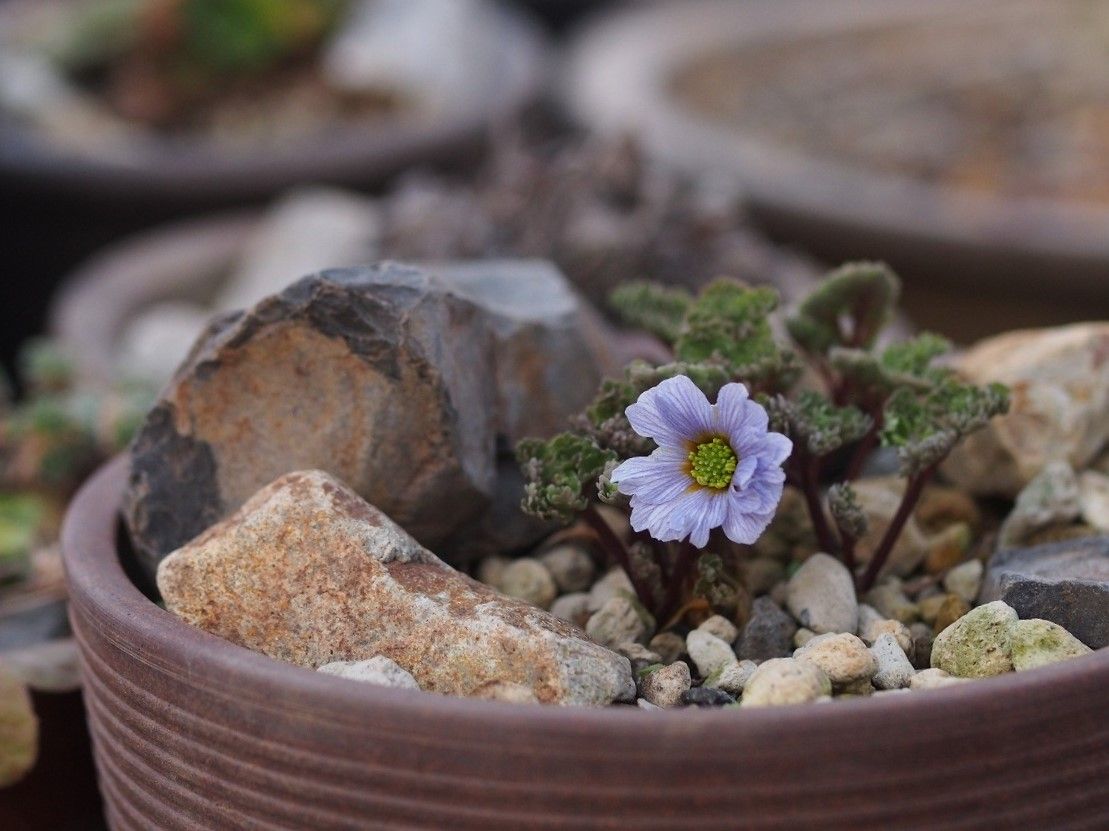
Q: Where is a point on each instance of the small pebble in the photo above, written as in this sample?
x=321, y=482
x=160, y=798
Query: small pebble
x=376, y=670
x=933, y=679
x=948, y=548
x=761, y=574
x=491, y=569
x=768, y=633
x=614, y=583
x=708, y=652
x=923, y=636
x=507, y=692
x=952, y=608
x=706, y=697
x=894, y=668
x=721, y=627
x=669, y=646
x=571, y=567
x=843, y=657
x=930, y=607
x=856, y=689
x=1037, y=643
x=821, y=596
x=644, y=704
x=899, y=630
x=782, y=681
x=617, y=621
x=639, y=655
x=801, y=637
x=731, y=678
x=573, y=608
x=890, y=602
x=867, y=615
x=528, y=579
x=978, y=644
x=665, y=685
x=965, y=580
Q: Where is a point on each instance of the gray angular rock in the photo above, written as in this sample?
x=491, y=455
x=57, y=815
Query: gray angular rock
x=977, y=645
x=1051, y=498
x=1066, y=583
x=895, y=670
x=376, y=670
x=308, y=572
x=821, y=596
x=768, y=634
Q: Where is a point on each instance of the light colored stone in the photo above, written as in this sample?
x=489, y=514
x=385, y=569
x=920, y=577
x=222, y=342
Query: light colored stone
x=843, y=657
x=377, y=670
x=573, y=607
x=867, y=615
x=491, y=569
x=821, y=596
x=731, y=678
x=768, y=633
x=965, y=580
x=891, y=603
x=895, y=670
x=1059, y=380
x=760, y=574
x=895, y=628
x=721, y=627
x=1051, y=498
x=802, y=636
x=307, y=230
x=571, y=567
x=977, y=645
x=708, y=652
x=781, y=681
x=930, y=607
x=19, y=729
x=1036, y=643
x=614, y=583
x=528, y=580
x=664, y=685
x=1093, y=499
x=879, y=497
x=644, y=704
x=934, y=679
x=617, y=622
x=156, y=340
x=307, y=572
x=668, y=645
x=638, y=654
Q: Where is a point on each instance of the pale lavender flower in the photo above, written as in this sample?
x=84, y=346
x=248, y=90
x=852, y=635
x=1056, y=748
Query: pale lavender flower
x=716, y=465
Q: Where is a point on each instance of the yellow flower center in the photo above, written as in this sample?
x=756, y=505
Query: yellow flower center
x=712, y=463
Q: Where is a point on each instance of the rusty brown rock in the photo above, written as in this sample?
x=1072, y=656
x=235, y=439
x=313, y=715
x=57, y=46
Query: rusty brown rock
x=309, y=573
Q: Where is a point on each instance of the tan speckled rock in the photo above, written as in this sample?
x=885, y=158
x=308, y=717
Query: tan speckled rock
x=933, y=679
x=664, y=685
x=821, y=596
x=309, y=573
x=1037, y=643
x=843, y=657
x=977, y=645
x=1059, y=380
x=785, y=681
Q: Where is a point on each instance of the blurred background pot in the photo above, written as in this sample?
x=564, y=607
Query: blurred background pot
x=74, y=176
x=192, y=731
x=939, y=136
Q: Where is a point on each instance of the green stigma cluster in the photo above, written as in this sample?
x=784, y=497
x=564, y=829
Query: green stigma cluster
x=712, y=464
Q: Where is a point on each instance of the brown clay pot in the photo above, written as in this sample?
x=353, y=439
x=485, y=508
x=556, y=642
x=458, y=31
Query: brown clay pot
x=191, y=731
x=976, y=262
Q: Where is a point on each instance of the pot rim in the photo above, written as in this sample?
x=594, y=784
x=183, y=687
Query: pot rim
x=355, y=151
x=96, y=581
x=617, y=78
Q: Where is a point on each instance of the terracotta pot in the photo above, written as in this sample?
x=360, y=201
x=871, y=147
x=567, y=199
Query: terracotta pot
x=191, y=731
x=976, y=262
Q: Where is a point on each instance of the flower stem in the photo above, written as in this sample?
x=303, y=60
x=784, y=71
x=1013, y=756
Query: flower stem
x=808, y=480
x=687, y=556
x=616, y=551
x=862, y=450
x=908, y=502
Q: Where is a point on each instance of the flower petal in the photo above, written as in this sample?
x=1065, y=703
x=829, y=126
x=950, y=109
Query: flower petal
x=730, y=410
x=774, y=448
x=703, y=513
x=744, y=470
x=671, y=413
x=745, y=527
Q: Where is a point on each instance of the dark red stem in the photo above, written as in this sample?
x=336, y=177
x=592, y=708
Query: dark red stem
x=683, y=565
x=809, y=482
x=863, y=449
x=908, y=502
x=616, y=551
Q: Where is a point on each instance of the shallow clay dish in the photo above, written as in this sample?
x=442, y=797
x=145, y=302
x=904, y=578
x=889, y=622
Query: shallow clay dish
x=191, y=731
x=624, y=73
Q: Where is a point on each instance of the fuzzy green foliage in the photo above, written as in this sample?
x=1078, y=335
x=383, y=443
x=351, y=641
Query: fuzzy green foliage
x=21, y=517
x=924, y=428
x=873, y=376
x=813, y=421
x=45, y=367
x=714, y=584
x=558, y=473
x=845, y=509
x=657, y=309
x=849, y=308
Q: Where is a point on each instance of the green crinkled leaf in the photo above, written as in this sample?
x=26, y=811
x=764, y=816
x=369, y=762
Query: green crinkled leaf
x=728, y=323
x=657, y=309
x=845, y=509
x=558, y=473
x=814, y=421
x=849, y=308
